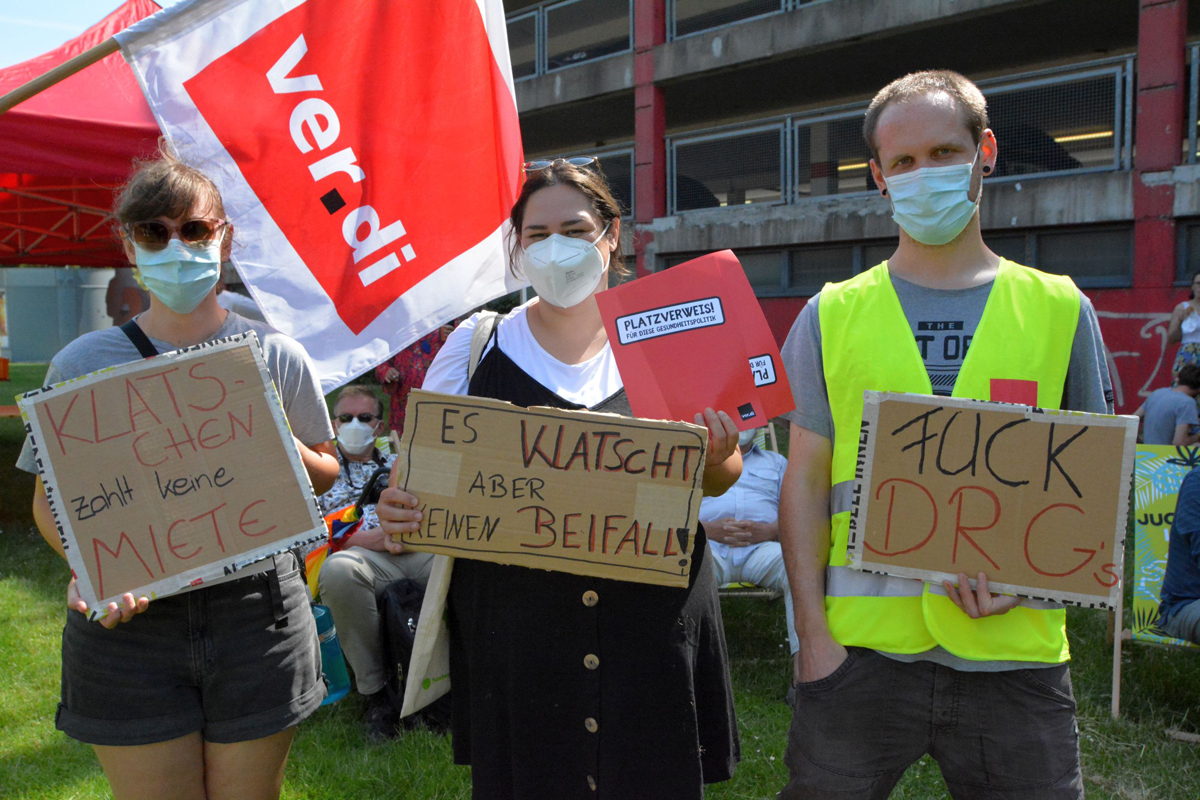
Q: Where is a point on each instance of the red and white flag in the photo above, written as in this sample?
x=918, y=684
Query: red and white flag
x=367, y=152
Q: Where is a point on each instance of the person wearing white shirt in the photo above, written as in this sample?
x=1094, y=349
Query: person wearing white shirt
x=743, y=527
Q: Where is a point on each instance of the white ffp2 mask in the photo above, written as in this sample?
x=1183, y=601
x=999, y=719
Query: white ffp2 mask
x=355, y=437
x=564, y=271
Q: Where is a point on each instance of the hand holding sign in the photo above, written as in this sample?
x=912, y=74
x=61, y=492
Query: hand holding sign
x=169, y=472
x=115, y=614
x=980, y=602
x=1030, y=501
x=574, y=491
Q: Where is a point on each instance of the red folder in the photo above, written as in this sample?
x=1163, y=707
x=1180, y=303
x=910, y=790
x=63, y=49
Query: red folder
x=693, y=337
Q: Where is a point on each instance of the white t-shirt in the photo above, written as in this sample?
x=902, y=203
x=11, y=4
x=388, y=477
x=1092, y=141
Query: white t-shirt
x=588, y=383
x=1190, y=327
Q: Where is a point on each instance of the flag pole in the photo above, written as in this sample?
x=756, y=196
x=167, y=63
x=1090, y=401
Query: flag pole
x=63, y=71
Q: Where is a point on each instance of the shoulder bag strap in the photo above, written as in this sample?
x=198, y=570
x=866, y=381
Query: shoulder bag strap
x=139, y=338
x=479, y=338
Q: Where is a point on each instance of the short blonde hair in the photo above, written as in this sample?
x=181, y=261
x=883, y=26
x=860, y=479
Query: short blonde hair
x=358, y=390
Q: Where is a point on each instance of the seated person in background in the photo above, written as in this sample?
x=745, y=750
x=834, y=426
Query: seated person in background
x=369, y=560
x=1170, y=414
x=743, y=527
x=1179, y=614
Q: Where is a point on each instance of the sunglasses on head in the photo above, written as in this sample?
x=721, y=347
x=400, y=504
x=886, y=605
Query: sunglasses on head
x=576, y=161
x=364, y=417
x=154, y=235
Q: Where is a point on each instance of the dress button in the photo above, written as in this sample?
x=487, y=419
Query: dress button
x=591, y=783
x=590, y=661
x=591, y=724
x=590, y=598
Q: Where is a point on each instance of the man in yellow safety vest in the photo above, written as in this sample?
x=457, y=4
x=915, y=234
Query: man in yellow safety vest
x=890, y=668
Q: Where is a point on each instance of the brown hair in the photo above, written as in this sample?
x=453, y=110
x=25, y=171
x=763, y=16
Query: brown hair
x=590, y=182
x=358, y=390
x=1189, y=376
x=963, y=92
x=164, y=186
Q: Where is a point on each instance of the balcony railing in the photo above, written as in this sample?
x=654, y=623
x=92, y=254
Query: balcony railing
x=555, y=35
x=686, y=17
x=1068, y=120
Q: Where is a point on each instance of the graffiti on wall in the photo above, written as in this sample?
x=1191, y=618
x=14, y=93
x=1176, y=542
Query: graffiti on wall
x=1135, y=345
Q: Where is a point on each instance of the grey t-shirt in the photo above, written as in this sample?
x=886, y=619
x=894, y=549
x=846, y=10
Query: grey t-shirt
x=943, y=322
x=289, y=366
x=1166, y=409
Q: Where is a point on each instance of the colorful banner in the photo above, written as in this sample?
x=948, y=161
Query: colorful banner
x=1158, y=472
x=368, y=155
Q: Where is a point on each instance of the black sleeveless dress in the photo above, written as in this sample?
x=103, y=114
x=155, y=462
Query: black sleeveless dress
x=572, y=687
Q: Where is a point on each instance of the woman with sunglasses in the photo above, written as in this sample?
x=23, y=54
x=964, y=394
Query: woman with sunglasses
x=195, y=695
x=566, y=686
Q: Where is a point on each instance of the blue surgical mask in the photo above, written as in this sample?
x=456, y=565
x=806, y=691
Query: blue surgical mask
x=932, y=204
x=178, y=275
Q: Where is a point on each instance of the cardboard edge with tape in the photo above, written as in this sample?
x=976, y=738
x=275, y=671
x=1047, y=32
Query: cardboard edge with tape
x=207, y=572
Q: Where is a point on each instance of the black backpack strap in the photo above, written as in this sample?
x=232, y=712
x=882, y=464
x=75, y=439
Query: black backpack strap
x=139, y=338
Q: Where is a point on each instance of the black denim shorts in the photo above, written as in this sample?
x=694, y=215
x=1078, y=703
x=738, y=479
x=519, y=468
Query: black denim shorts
x=236, y=662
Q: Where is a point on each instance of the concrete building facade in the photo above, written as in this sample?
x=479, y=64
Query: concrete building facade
x=737, y=123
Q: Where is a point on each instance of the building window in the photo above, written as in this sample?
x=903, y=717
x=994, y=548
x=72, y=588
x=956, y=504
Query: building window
x=1012, y=246
x=693, y=16
x=522, y=45
x=1066, y=120
x=813, y=267
x=799, y=271
x=831, y=156
x=1188, y=261
x=728, y=169
x=1056, y=126
x=1092, y=256
x=584, y=30
x=617, y=168
x=764, y=269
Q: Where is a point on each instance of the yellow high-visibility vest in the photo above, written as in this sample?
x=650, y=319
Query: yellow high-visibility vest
x=1025, y=333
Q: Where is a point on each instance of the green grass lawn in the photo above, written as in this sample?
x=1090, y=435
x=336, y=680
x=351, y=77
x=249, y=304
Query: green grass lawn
x=1131, y=758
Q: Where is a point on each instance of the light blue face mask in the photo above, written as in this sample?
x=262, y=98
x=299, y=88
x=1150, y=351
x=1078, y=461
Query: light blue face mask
x=178, y=275
x=932, y=204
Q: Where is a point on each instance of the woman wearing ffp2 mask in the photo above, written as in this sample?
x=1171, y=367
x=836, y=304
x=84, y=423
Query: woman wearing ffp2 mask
x=564, y=684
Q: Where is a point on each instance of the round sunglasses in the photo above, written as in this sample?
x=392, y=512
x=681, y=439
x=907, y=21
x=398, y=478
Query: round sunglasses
x=575, y=161
x=195, y=233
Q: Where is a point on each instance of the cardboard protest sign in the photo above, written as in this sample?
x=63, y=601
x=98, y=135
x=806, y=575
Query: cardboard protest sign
x=1037, y=499
x=171, y=471
x=1158, y=473
x=660, y=325
x=341, y=135
x=573, y=491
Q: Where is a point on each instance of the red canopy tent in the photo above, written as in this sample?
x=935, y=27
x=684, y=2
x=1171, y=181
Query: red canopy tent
x=64, y=152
